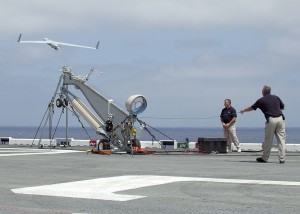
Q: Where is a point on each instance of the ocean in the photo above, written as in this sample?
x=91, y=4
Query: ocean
x=245, y=135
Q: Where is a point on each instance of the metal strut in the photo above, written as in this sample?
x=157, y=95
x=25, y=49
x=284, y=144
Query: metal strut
x=78, y=118
x=144, y=125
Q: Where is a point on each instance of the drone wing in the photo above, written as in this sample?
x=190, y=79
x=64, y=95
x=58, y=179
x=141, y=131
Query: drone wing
x=22, y=41
x=79, y=46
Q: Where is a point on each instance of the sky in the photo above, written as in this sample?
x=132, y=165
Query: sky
x=185, y=57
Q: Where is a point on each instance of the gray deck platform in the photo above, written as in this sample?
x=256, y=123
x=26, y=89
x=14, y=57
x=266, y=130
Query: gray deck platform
x=49, y=181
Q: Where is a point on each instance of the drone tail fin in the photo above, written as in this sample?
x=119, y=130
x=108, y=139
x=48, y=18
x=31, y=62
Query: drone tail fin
x=20, y=37
x=97, y=46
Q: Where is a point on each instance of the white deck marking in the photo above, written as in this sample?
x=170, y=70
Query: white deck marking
x=25, y=151
x=107, y=188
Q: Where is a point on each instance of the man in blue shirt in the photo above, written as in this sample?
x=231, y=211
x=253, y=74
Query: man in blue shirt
x=272, y=107
x=228, y=118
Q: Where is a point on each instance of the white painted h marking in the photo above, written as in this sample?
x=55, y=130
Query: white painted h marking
x=107, y=188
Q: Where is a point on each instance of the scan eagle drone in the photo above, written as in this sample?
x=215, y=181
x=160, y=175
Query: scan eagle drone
x=56, y=45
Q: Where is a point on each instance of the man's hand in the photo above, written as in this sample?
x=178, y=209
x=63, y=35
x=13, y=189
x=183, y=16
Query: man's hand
x=225, y=125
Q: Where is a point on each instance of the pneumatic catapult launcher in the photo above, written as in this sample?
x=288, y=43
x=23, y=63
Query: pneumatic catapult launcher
x=115, y=125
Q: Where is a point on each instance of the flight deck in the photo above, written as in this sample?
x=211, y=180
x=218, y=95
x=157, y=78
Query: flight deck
x=72, y=181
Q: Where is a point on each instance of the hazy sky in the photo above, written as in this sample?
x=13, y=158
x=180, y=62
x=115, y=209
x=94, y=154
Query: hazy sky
x=185, y=57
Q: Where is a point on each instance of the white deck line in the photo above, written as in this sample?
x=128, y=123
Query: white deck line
x=24, y=152
x=108, y=188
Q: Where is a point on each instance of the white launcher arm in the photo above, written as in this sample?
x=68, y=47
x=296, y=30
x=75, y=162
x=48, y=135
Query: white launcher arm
x=102, y=106
x=97, y=101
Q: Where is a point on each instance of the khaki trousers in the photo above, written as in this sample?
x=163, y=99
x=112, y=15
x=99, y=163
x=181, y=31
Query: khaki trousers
x=275, y=126
x=230, y=135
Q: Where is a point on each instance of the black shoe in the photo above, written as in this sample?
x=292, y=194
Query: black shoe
x=260, y=160
x=281, y=161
